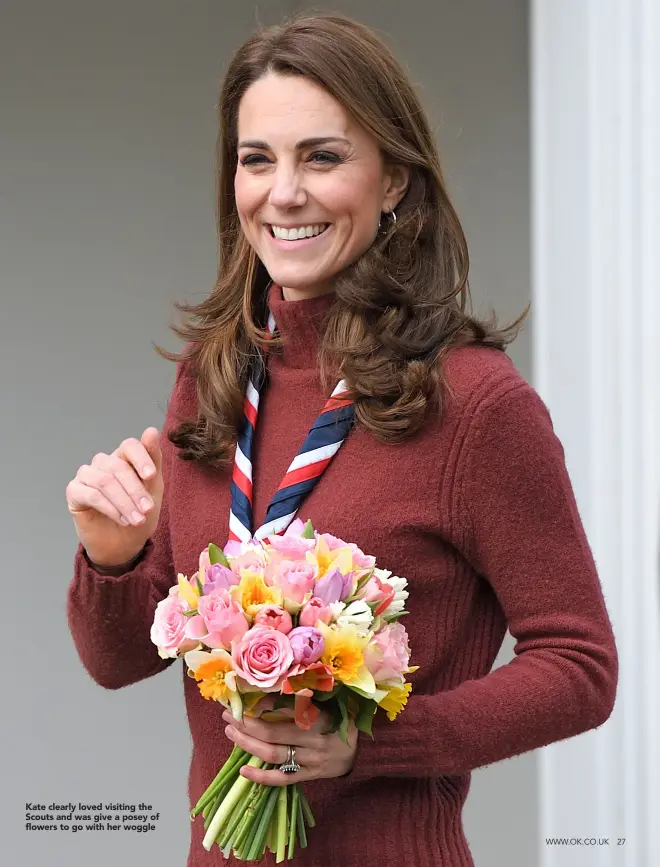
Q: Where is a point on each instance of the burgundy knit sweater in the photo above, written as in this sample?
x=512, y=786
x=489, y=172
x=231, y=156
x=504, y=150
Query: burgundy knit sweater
x=478, y=513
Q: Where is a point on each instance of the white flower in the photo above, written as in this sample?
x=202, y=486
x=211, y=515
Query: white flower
x=357, y=614
x=336, y=608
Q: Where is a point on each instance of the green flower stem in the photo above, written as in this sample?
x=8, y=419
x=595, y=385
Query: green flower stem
x=236, y=759
x=293, y=819
x=282, y=803
x=210, y=810
x=301, y=823
x=259, y=838
x=237, y=818
x=235, y=796
x=245, y=822
x=271, y=837
x=309, y=816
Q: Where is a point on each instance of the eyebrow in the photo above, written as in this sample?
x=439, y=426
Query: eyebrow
x=304, y=143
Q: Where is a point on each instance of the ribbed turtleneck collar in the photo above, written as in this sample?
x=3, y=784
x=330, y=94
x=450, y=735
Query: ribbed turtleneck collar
x=299, y=324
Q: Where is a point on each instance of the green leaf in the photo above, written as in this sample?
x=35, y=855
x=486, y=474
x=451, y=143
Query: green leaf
x=336, y=716
x=199, y=585
x=326, y=696
x=282, y=700
x=191, y=613
x=365, y=716
x=379, y=695
x=343, y=727
x=393, y=617
x=364, y=580
x=308, y=531
x=216, y=555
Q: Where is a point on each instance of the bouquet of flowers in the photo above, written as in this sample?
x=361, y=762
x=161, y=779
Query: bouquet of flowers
x=294, y=622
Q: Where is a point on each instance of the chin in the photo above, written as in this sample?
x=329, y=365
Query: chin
x=296, y=279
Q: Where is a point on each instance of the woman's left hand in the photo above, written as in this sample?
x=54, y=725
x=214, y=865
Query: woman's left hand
x=318, y=754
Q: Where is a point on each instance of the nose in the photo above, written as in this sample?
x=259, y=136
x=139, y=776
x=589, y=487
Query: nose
x=286, y=190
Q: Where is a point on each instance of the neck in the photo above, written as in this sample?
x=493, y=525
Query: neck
x=299, y=322
x=305, y=294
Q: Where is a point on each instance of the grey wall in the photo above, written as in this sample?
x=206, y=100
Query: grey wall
x=107, y=129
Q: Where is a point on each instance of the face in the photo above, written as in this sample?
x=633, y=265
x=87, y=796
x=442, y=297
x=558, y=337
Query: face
x=331, y=190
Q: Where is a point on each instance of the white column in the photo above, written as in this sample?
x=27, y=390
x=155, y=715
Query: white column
x=595, y=91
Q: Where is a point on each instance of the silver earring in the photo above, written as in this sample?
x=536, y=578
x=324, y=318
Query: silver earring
x=391, y=214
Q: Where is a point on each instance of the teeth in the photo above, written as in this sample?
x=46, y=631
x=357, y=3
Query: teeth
x=295, y=234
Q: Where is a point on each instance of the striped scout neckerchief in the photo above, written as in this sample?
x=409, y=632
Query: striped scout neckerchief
x=322, y=443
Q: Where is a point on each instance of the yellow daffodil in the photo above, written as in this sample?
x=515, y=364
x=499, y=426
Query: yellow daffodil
x=327, y=560
x=187, y=591
x=343, y=653
x=214, y=672
x=395, y=700
x=253, y=592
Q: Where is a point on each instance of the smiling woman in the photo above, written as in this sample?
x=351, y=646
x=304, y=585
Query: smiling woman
x=336, y=369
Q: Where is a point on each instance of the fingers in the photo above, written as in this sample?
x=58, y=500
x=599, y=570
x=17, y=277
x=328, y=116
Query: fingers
x=113, y=488
x=151, y=441
x=273, y=732
x=275, y=754
x=144, y=454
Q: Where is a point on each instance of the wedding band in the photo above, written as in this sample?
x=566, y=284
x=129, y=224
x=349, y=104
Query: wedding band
x=290, y=766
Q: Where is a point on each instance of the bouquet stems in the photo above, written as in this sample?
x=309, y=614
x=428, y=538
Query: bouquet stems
x=246, y=818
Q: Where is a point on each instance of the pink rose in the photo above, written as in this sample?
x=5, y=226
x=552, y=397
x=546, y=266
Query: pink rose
x=291, y=545
x=253, y=561
x=263, y=658
x=314, y=610
x=168, y=631
x=219, y=622
x=275, y=617
x=295, y=578
x=360, y=559
x=387, y=656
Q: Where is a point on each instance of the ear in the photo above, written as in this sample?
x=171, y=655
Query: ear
x=395, y=183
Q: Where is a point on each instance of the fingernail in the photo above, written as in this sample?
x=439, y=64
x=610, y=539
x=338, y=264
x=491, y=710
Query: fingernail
x=230, y=731
x=147, y=472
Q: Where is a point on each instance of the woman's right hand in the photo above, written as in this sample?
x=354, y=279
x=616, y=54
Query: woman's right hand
x=104, y=497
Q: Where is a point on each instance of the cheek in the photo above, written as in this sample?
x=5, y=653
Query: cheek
x=247, y=196
x=357, y=200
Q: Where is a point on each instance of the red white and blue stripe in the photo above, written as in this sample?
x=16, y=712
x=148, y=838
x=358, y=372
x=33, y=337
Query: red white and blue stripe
x=322, y=443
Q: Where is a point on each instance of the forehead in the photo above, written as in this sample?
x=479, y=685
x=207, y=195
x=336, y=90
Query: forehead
x=278, y=108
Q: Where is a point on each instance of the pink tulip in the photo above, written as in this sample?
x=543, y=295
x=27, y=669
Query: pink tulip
x=314, y=610
x=275, y=617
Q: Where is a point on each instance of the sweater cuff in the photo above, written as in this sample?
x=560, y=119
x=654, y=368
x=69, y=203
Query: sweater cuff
x=121, y=569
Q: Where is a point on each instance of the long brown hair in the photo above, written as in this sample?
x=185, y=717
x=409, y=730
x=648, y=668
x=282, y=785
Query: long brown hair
x=398, y=309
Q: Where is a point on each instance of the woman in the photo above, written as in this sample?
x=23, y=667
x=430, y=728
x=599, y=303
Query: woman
x=333, y=217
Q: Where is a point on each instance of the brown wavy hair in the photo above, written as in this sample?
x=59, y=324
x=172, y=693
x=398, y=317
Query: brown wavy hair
x=399, y=308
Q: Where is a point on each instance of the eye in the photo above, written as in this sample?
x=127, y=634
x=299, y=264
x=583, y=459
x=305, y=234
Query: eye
x=331, y=158
x=327, y=157
x=251, y=160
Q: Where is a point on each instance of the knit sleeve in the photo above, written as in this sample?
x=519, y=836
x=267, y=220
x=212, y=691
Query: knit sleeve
x=523, y=533
x=110, y=616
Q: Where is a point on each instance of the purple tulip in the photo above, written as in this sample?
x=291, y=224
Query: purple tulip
x=219, y=577
x=348, y=586
x=307, y=644
x=330, y=587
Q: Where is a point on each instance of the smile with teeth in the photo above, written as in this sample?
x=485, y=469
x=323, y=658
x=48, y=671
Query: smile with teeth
x=296, y=234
